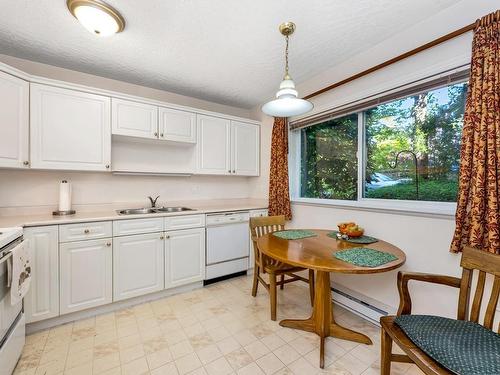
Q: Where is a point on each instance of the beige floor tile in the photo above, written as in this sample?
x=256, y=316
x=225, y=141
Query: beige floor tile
x=228, y=345
x=136, y=367
x=251, y=369
x=159, y=358
x=168, y=369
x=181, y=349
x=286, y=354
x=106, y=363
x=219, y=367
x=131, y=354
x=257, y=349
x=78, y=358
x=209, y=354
x=272, y=341
x=351, y=364
x=187, y=363
x=270, y=363
x=239, y=358
x=85, y=369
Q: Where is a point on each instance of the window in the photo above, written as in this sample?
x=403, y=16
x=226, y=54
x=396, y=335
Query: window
x=413, y=146
x=410, y=150
x=329, y=166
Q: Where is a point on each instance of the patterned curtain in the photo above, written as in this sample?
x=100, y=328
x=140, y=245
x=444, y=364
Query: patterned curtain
x=478, y=203
x=279, y=195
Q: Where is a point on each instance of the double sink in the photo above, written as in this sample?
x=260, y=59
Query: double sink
x=153, y=210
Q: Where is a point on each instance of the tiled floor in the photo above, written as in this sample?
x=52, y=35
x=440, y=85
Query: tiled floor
x=216, y=330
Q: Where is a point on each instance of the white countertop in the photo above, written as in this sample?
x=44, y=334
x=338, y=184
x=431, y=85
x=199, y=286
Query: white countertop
x=108, y=213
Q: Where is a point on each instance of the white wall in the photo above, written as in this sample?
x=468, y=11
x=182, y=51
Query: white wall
x=25, y=188
x=424, y=239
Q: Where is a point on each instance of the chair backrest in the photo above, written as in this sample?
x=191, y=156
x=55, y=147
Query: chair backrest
x=485, y=263
x=260, y=226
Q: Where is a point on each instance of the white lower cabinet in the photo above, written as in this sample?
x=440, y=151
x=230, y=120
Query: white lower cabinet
x=42, y=300
x=184, y=257
x=137, y=265
x=86, y=274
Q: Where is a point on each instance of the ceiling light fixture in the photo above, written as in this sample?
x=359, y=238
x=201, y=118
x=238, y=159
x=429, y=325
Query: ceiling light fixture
x=287, y=102
x=96, y=16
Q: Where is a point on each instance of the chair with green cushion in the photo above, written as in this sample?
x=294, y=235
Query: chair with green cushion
x=440, y=345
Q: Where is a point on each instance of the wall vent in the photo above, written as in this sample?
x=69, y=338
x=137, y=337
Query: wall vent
x=358, y=307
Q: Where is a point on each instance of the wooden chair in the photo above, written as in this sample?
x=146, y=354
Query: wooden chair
x=260, y=226
x=472, y=259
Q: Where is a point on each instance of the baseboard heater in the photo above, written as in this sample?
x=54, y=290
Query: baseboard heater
x=358, y=307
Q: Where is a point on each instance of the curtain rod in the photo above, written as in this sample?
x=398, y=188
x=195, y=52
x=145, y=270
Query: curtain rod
x=423, y=47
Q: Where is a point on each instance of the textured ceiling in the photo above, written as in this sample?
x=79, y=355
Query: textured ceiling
x=226, y=51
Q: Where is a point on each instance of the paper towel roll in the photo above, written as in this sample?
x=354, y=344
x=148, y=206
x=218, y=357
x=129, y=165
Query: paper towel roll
x=64, y=196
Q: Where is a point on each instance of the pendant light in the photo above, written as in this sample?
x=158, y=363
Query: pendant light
x=96, y=16
x=287, y=102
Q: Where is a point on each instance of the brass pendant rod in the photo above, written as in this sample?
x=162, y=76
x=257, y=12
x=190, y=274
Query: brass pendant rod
x=403, y=56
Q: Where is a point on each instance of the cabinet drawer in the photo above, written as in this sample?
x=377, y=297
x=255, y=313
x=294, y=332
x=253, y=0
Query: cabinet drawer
x=184, y=222
x=137, y=226
x=85, y=231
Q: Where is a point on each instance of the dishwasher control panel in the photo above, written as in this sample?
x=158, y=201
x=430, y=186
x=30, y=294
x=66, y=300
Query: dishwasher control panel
x=227, y=218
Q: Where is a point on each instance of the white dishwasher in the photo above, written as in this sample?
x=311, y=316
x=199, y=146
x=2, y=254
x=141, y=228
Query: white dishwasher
x=228, y=247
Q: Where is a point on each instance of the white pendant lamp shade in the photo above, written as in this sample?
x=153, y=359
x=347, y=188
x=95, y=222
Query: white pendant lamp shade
x=97, y=17
x=287, y=102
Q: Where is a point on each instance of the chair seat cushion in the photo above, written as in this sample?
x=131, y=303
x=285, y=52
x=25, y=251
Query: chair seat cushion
x=462, y=347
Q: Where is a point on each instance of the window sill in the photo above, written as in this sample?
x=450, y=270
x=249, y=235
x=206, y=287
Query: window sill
x=413, y=208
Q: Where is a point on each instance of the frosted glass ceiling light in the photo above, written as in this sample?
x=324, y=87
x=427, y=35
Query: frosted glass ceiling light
x=287, y=103
x=97, y=17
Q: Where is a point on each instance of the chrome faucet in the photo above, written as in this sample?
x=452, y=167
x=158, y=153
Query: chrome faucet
x=153, y=201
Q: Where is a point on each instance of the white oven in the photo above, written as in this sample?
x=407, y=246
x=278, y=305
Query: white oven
x=12, y=323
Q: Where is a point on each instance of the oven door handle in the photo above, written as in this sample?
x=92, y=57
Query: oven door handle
x=9, y=268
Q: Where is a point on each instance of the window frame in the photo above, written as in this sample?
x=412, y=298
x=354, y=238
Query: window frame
x=432, y=208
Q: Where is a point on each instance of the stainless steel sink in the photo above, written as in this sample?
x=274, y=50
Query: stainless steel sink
x=139, y=211
x=136, y=211
x=172, y=209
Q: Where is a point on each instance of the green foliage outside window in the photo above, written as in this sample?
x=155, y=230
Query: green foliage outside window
x=427, y=125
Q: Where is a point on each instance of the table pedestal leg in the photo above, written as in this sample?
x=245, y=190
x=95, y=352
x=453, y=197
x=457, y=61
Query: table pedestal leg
x=321, y=321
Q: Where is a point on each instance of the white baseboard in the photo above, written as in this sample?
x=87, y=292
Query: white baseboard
x=85, y=314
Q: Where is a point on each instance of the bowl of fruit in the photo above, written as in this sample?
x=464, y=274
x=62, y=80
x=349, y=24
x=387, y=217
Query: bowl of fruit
x=351, y=229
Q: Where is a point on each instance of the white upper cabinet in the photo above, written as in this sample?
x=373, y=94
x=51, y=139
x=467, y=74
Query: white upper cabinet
x=214, y=145
x=227, y=147
x=70, y=130
x=14, y=122
x=177, y=126
x=134, y=119
x=245, y=150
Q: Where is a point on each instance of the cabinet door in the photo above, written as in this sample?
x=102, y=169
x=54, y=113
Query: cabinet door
x=184, y=257
x=178, y=126
x=14, y=122
x=86, y=274
x=214, y=145
x=137, y=265
x=42, y=300
x=245, y=148
x=134, y=119
x=69, y=129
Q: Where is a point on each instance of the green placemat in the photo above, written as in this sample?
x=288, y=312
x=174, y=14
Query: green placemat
x=365, y=257
x=294, y=234
x=363, y=239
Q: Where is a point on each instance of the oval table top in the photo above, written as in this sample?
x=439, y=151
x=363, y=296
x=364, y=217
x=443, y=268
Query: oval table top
x=317, y=253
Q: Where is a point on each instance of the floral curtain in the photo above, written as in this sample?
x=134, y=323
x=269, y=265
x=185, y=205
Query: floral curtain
x=478, y=203
x=279, y=195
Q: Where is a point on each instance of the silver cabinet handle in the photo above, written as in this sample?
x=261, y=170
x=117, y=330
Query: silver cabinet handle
x=156, y=134
x=162, y=238
x=167, y=237
x=107, y=166
x=234, y=171
x=108, y=244
x=161, y=135
x=26, y=163
x=86, y=231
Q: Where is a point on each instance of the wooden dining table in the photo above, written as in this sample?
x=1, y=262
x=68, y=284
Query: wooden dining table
x=317, y=253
